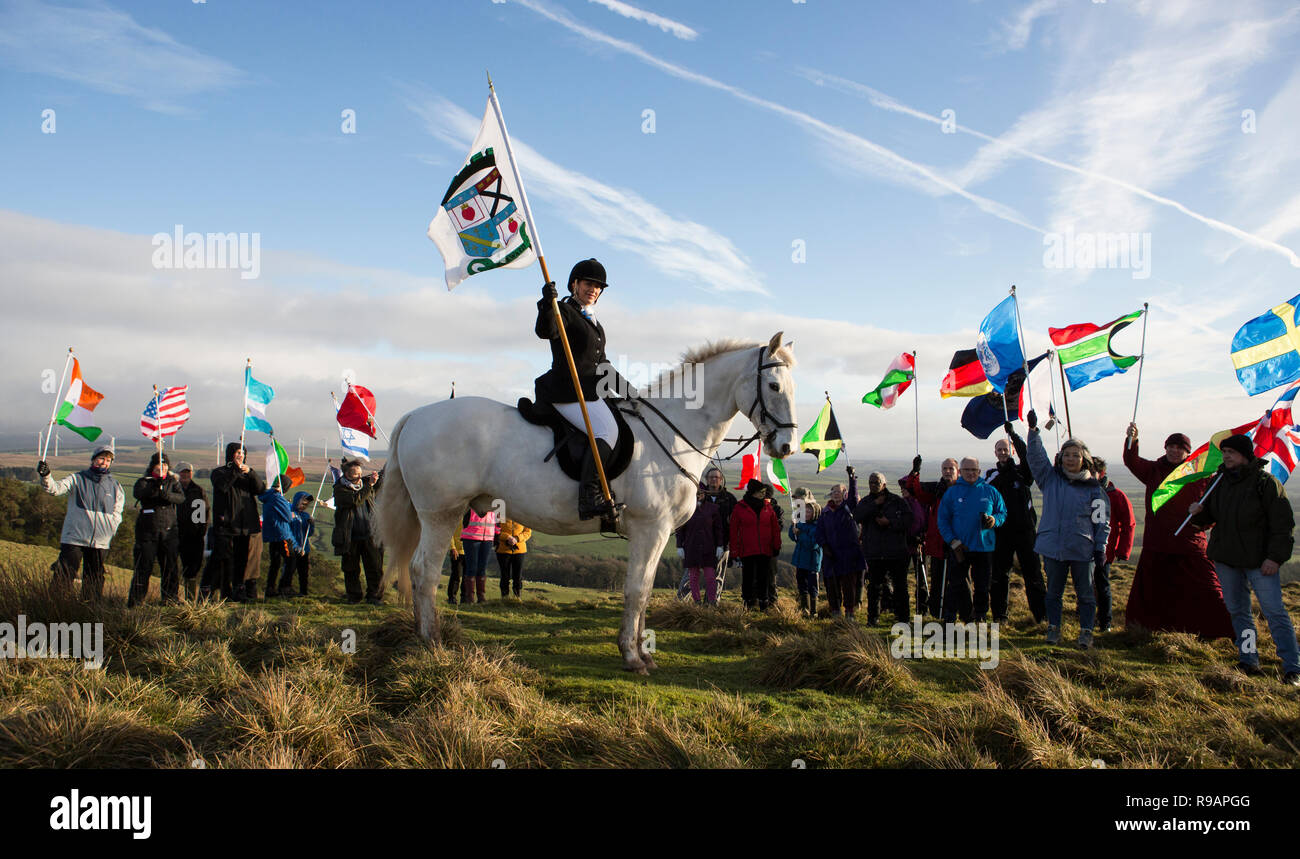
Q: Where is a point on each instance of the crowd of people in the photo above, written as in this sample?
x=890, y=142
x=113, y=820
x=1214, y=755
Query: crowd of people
x=959, y=537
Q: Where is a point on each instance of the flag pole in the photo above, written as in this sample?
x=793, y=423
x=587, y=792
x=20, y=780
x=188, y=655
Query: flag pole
x=1217, y=478
x=54, y=413
x=1024, y=356
x=1141, y=363
x=546, y=278
x=1056, y=425
x=916, y=405
x=844, y=448
x=157, y=426
x=248, y=371
x=373, y=422
x=1065, y=398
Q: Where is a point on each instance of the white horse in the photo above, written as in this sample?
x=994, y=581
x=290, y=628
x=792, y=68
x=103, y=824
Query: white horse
x=473, y=451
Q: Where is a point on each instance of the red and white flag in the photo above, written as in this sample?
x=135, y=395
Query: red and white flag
x=165, y=414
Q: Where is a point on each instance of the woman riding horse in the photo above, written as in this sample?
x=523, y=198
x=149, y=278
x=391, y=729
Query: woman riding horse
x=587, y=343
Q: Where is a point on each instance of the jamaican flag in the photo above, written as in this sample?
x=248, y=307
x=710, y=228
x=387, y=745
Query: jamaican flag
x=823, y=440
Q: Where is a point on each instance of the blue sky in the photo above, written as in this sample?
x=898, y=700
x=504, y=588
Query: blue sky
x=774, y=122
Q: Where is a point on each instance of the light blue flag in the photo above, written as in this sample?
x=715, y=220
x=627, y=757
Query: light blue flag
x=998, y=344
x=256, y=398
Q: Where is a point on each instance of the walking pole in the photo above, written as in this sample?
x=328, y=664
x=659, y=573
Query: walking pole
x=1065, y=399
x=58, y=396
x=314, y=502
x=1141, y=362
x=555, y=304
x=1203, y=497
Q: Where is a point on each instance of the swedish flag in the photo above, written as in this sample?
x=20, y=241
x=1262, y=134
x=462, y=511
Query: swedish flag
x=1264, y=350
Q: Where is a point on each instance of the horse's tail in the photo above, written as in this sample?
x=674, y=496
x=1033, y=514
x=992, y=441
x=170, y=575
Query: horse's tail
x=399, y=526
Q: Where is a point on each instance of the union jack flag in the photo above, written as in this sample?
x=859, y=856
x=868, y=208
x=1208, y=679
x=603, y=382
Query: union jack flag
x=165, y=414
x=1277, y=437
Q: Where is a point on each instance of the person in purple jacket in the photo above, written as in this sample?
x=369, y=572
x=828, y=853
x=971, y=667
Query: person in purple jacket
x=700, y=544
x=842, y=560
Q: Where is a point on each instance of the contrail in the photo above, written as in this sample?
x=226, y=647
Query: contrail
x=885, y=102
x=833, y=133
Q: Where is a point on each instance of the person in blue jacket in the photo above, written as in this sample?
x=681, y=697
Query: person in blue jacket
x=277, y=530
x=807, y=557
x=303, y=526
x=1073, y=530
x=968, y=514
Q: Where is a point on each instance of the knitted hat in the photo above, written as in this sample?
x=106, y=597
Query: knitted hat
x=753, y=485
x=1180, y=439
x=153, y=460
x=1240, y=443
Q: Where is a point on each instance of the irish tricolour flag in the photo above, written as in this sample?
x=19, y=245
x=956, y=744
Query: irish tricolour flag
x=78, y=403
x=1084, y=350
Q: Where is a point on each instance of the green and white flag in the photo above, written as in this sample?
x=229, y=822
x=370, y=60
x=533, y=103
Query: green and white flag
x=277, y=462
x=898, y=378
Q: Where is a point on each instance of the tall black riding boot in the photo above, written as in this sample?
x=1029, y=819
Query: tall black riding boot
x=591, y=501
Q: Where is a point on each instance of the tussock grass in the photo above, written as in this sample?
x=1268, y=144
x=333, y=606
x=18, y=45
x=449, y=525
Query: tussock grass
x=845, y=659
x=537, y=684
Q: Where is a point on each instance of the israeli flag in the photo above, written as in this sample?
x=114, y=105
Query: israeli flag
x=355, y=442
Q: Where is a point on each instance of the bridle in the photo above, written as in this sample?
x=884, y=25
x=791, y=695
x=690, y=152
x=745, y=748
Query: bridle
x=765, y=417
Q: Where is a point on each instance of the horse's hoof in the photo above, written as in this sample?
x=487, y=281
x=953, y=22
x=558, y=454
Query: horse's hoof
x=648, y=660
x=635, y=665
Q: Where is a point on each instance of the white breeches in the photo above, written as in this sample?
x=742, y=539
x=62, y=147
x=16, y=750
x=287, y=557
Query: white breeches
x=602, y=419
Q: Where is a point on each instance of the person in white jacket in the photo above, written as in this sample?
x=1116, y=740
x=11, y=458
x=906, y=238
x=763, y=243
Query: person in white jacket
x=95, y=502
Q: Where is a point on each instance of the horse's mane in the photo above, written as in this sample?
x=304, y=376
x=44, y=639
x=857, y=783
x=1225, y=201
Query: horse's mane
x=712, y=349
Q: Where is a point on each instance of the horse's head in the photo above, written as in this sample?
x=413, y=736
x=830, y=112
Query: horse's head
x=767, y=397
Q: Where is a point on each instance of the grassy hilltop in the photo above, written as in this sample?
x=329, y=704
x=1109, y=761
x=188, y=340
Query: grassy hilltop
x=538, y=683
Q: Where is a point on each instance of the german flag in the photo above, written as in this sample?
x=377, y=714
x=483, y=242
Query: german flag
x=965, y=376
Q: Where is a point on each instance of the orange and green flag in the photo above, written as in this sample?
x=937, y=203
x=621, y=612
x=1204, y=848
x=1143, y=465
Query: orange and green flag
x=78, y=404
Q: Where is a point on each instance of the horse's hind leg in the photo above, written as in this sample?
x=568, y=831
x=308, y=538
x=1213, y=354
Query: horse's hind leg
x=426, y=570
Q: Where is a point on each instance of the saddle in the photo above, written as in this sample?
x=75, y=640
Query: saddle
x=571, y=444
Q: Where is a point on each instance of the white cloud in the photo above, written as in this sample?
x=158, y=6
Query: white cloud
x=104, y=48
x=617, y=217
x=1017, y=30
x=668, y=25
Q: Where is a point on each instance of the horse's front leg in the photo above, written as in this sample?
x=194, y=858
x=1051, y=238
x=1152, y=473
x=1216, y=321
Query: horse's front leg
x=644, y=549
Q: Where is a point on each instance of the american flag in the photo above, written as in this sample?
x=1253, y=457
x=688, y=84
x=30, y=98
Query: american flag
x=165, y=415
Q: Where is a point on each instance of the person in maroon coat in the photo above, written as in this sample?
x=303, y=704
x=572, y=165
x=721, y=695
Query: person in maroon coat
x=756, y=540
x=1175, y=587
x=700, y=544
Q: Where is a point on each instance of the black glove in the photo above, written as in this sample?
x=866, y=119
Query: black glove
x=548, y=291
x=916, y=464
x=1032, y=418
x=1009, y=429
x=42, y=469
x=850, y=472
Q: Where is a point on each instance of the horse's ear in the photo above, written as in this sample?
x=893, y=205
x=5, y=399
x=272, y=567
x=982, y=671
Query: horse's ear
x=774, y=343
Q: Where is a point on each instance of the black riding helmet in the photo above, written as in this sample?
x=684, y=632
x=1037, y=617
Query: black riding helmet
x=588, y=269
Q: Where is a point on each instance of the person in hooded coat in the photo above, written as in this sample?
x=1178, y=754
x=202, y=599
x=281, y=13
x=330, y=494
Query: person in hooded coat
x=842, y=560
x=756, y=540
x=303, y=526
x=700, y=543
x=235, y=487
x=159, y=494
x=95, y=502
x=1074, y=529
x=277, y=534
x=1175, y=587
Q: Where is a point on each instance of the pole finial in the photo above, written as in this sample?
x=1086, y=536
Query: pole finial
x=489, y=77
x=1013, y=289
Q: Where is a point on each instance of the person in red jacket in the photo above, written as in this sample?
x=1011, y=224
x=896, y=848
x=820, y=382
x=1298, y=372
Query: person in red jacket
x=1120, y=544
x=1175, y=587
x=756, y=540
